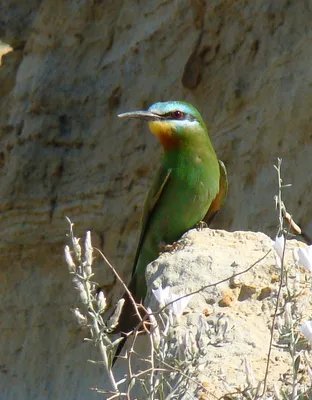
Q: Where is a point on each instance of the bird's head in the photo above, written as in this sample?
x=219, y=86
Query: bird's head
x=173, y=122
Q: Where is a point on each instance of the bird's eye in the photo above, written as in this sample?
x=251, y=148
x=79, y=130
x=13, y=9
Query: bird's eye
x=178, y=114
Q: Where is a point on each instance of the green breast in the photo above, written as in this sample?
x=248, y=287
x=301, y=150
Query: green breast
x=193, y=184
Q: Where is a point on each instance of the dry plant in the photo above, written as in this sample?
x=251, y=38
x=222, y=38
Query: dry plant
x=173, y=359
x=296, y=384
x=176, y=353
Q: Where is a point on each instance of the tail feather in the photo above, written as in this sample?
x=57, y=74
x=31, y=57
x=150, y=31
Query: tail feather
x=119, y=348
x=128, y=321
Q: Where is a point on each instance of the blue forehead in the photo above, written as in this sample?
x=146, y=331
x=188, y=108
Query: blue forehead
x=169, y=106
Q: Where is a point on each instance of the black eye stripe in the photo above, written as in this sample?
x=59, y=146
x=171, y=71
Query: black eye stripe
x=186, y=116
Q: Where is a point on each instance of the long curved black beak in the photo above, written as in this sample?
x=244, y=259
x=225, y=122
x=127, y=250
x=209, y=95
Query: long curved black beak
x=145, y=115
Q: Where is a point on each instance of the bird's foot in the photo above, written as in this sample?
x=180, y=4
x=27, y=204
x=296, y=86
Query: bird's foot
x=201, y=225
x=168, y=248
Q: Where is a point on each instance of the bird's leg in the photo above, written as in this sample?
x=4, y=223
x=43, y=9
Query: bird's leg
x=201, y=225
x=167, y=248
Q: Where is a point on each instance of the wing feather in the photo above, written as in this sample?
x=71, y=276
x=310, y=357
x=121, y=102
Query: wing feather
x=220, y=198
x=161, y=180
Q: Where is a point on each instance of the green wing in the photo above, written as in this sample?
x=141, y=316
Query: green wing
x=220, y=198
x=160, y=181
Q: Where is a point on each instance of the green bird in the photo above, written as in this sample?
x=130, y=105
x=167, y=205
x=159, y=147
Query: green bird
x=190, y=186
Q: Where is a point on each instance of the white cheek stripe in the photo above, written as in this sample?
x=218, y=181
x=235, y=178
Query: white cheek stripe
x=187, y=123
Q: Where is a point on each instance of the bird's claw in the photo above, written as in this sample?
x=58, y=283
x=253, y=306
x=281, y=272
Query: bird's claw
x=168, y=248
x=201, y=225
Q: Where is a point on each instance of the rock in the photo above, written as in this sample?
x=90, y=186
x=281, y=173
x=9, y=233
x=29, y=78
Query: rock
x=205, y=262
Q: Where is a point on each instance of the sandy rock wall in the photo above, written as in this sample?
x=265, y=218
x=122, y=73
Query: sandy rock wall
x=75, y=65
x=245, y=303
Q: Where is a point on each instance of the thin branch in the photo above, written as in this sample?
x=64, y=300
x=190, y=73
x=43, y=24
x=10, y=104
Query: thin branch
x=121, y=281
x=273, y=320
x=279, y=196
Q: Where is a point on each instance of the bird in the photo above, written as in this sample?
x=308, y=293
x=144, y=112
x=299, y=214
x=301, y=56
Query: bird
x=190, y=186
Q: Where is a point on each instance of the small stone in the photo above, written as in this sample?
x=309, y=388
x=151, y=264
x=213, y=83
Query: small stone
x=275, y=278
x=265, y=292
x=246, y=292
x=206, y=312
x=226, y=301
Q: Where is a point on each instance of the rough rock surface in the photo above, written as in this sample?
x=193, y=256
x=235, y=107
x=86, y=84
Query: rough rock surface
x=74, y=66
x=246, y=303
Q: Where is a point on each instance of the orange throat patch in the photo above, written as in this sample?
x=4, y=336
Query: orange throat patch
x=163, y=130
